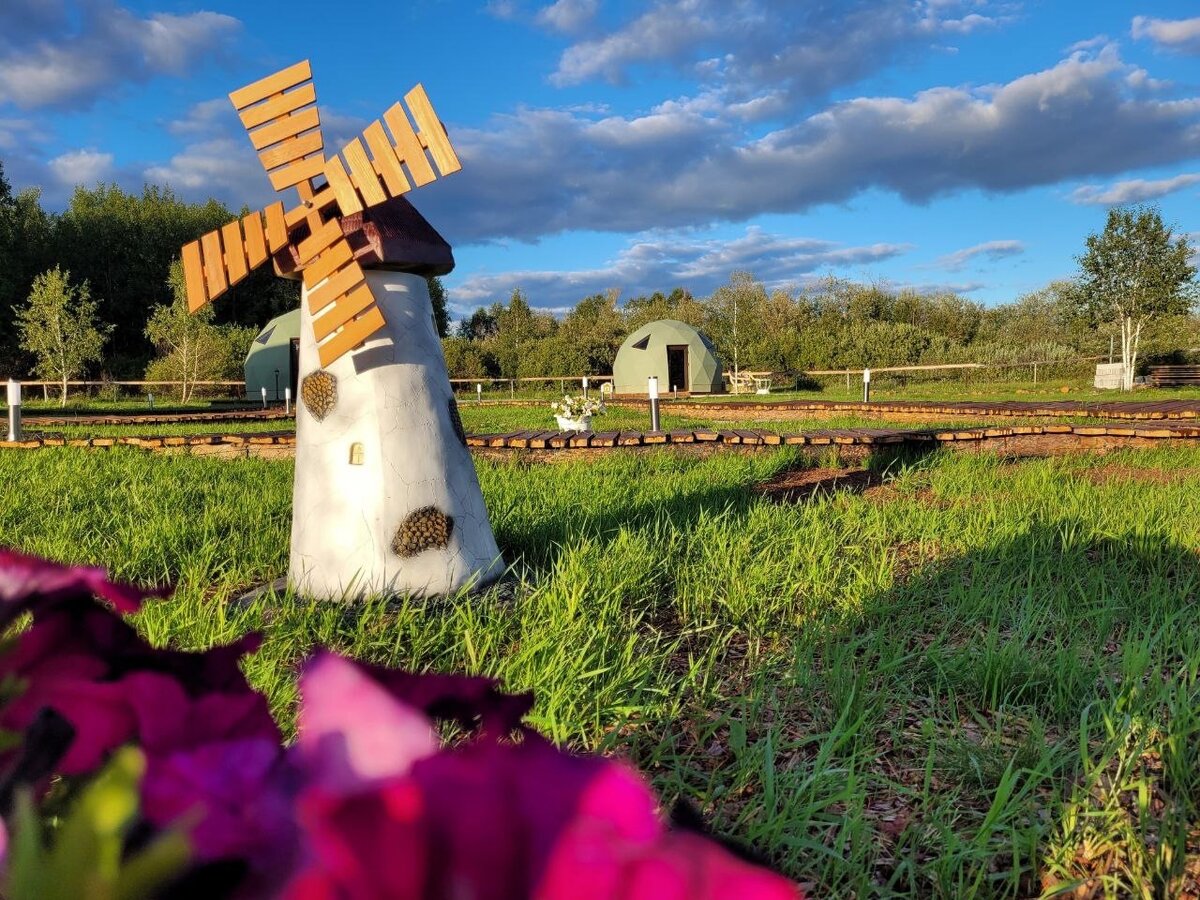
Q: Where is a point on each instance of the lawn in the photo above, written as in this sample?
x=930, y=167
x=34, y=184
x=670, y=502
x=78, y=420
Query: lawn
x=978, y=678
x=888, y=387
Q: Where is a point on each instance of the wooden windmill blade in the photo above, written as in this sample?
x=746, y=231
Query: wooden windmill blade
x=345, y=314
x=281, y=118
x=222, y=258
x=279, y=113
x=396, y=163
x=339, y=298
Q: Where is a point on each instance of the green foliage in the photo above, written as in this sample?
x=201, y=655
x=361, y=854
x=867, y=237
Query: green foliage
x=120, y=244
x=1137, y=268
x=1134, y=272
x=518, y=330
x=463, y=358
x=192, y=348
x=58, y=326
x=437, y=296
x=25, y=251
x=590, y=335
x=85, y=855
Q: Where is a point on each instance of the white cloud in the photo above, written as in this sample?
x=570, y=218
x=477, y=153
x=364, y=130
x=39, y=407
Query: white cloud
x=799, y=50
x=85, y=167
x=19, y=134
x=568, y=16
x=990, y=250
x=218, y=160
x=662, y=261
x=687, y=162
x=224, y=167
x=1137, y=190
x=1182, y=35
x=936, y=287
x=64, y=63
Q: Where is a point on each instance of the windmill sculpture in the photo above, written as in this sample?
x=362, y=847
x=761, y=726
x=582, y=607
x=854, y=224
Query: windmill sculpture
x=386, y=499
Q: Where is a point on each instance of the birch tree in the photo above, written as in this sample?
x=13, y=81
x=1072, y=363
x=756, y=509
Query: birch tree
x=1136, y=270
x=192, y=348
x=58, y=326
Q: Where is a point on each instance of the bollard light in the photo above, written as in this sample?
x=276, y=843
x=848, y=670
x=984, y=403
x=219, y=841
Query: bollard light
x=479, y=393
x=585, y=387
x=150, y=400
x=287, y=401
x=14, y=409
x=264, y=396
x=866, y=385
x=652, y=390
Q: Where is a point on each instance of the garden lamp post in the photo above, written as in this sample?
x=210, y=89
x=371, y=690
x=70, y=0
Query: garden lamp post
x=14, y=409
x=652, y=390
x=866, y=385
x=276, y=385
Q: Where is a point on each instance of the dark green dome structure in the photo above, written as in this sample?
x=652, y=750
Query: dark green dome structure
x=677, y=354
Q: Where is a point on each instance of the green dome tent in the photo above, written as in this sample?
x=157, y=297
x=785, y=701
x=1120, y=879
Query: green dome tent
x=680, y=356
x=272, y=361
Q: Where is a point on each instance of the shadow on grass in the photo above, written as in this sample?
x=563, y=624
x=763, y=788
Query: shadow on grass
x=1019, y=719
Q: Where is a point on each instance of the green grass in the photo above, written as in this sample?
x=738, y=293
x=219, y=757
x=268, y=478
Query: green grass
x=229, y=426
x=889, y=387
x=82, y=403
x=981, y=679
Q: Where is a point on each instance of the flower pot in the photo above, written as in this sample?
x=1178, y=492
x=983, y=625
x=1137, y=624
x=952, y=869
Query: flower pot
x=568, y=424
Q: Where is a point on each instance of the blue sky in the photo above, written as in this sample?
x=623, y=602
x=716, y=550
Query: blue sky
x=960, y=144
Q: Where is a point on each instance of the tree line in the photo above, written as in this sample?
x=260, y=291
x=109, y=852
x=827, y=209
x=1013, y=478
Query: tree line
x=112, y=257
x=1135, y=282
x=97, y=290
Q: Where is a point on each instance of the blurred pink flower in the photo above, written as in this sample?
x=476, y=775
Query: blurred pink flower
x=82, y=660
x=489, y=819
x=352, y=730
x=367, y=805
x=30, y=583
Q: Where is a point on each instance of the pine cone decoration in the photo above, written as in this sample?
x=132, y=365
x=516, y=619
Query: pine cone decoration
x=424, y=529
x=318, y=390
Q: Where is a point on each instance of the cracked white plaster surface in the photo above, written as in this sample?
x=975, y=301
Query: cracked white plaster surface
x=393, y=397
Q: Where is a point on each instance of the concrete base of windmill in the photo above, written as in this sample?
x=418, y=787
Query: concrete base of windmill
x=386, y=498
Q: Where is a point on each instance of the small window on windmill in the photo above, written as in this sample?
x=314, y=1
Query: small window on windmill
x=356, y=454
x=642, y=344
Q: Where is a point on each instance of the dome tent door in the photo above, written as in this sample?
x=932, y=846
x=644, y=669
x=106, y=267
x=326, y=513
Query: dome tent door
x=677, y=367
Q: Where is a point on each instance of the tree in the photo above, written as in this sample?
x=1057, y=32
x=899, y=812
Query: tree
x=437, y=296
x=1133, y=272
x=122, y=243
x=518, y=328
x=463, y=358
x=193, y=348
x=734, y=316
x=593, y=332
x=481, y=325
x=58, y=326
